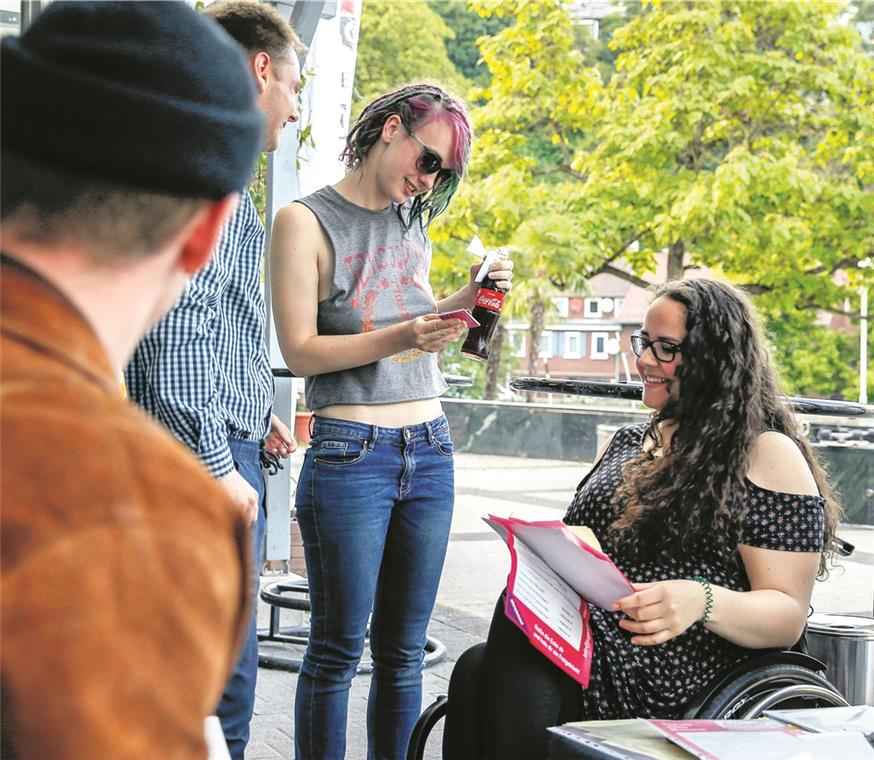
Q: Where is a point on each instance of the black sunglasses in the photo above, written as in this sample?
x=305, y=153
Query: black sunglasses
x=662, y=350
x=428, y=161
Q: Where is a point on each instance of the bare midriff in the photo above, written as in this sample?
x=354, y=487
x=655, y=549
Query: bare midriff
x=386, y=415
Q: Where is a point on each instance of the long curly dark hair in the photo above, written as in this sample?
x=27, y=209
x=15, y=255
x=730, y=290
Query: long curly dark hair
x=415, y=104
x=693, y=495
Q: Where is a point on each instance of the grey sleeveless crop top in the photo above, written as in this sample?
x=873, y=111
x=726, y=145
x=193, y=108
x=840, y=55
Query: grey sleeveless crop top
x=380, y=278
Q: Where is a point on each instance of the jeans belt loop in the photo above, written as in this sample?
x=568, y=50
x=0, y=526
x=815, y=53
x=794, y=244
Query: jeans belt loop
x=431, y=439
x=374, y=435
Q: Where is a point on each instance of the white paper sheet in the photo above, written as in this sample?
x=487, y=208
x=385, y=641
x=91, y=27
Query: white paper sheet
x=591, y=574
x=837, y=745
x=547, y=596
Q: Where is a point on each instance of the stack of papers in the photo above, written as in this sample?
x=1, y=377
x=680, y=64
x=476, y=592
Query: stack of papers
x=853, y=718
x=764, y=739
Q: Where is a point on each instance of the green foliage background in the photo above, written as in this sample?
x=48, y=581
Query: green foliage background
x=737, y=135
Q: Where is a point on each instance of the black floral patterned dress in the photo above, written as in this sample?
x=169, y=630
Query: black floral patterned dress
x=629, y=680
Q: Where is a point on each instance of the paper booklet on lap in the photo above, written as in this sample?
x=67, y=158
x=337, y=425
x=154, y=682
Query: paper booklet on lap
x=553, y=574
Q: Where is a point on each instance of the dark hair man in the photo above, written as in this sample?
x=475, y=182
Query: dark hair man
x=204, y=371
x=127, y=132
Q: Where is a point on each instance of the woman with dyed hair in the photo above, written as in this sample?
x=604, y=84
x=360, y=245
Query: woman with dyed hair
x=356, y=316
x=716, y=510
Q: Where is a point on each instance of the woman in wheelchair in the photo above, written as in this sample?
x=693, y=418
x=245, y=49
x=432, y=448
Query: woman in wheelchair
x=716, y=510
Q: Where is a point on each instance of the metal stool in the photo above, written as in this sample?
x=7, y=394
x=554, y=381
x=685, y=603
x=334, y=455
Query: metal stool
x=294, y=595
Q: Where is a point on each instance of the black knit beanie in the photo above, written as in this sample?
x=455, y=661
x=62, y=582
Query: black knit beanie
x=152, y=96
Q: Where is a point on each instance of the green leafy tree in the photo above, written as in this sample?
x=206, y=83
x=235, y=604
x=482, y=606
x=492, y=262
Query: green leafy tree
x=598, y=51
x=736, y=135
x=863, y=18
x=402, y=42
x=468, y=26
x=812, y=358
x=539, y=94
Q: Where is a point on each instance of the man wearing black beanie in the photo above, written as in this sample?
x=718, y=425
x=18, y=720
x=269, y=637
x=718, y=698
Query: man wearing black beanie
x=204, y=370
x=124, y=567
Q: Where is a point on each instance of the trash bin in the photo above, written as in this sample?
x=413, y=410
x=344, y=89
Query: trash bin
x=845, y=643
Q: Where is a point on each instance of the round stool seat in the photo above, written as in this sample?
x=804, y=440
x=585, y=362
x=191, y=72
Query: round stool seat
x=274, y=594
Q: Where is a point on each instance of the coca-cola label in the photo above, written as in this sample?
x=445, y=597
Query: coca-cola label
x=492, y=300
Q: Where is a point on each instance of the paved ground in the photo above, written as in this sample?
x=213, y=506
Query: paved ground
x=475, y=572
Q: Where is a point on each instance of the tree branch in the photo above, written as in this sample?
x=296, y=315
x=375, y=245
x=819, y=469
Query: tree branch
x=754, y=289
x=559, y=170
x=623, y=247
x=623, y=275
x=757, y=289
x=842, y=264
x=754, y=130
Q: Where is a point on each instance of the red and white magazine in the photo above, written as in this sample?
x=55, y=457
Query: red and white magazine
x=554, y=575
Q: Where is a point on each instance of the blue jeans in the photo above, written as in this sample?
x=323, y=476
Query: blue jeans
x=374, y=506
x=238, y=701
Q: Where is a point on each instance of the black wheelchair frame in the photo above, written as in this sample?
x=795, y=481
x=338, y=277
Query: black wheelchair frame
x=772, y=680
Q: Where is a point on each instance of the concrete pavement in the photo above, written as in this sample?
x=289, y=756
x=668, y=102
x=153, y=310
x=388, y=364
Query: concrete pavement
x=474, y=574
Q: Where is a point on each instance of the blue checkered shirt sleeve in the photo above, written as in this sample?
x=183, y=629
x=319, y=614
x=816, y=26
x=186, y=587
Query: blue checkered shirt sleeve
x=203, y=370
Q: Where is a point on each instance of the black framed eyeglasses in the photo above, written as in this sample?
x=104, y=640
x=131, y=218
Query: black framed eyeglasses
x=662, y=350
x=428, y=161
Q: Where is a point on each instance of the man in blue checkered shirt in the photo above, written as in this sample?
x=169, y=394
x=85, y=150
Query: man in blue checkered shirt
x=204, y=370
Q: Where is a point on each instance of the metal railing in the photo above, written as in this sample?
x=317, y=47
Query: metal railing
x=634, y=392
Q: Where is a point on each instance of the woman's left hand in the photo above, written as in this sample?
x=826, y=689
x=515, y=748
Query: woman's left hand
x=501, y=271
x=657, y=612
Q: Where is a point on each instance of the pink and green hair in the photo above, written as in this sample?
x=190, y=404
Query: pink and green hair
x=415, y=104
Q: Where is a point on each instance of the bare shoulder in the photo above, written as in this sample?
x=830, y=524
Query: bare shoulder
x=295, y=222
x=299, y=248
x=776, y=463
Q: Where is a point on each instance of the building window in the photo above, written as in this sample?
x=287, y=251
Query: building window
x=593, y=308
x=590, y=25
x=545, y=345
x=572, y=345
x=599, y=345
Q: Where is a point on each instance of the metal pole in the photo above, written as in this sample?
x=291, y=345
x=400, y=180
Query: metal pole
x=283, y=186
x=336, y=25
x=863, y=345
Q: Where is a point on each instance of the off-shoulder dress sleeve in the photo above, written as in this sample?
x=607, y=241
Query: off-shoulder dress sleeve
x=788, y=522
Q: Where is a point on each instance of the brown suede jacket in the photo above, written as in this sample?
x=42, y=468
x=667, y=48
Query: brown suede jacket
x=124, y=565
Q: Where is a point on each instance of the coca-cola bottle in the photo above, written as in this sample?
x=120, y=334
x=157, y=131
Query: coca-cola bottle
x=486, y=311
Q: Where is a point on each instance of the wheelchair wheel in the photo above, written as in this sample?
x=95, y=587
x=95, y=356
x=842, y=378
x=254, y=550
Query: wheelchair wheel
x=771, y=687
x=424, y=725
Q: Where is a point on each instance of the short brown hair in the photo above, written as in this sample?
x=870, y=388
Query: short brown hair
x=257, y=27
x=48, y=204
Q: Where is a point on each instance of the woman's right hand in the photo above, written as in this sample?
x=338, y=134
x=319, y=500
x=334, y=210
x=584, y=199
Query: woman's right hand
x=432, y=334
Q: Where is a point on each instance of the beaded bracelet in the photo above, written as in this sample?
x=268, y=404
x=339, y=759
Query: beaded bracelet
x=708, y=596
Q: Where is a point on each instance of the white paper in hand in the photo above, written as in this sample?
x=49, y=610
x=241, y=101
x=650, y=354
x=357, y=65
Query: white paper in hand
x=476, y=246
x=588, y=571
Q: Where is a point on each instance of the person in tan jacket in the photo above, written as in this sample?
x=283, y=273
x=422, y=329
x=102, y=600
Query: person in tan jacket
x=127, y=131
